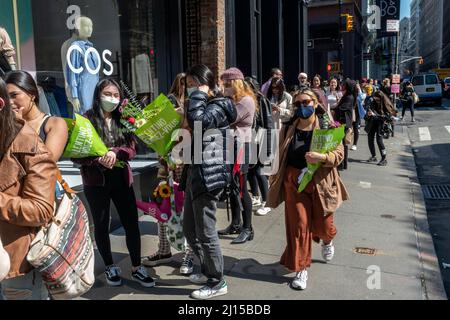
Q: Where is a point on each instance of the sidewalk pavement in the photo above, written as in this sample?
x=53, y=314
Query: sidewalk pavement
x=386, y=213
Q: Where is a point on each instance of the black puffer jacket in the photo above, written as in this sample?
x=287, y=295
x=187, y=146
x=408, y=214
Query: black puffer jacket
x=215, y=116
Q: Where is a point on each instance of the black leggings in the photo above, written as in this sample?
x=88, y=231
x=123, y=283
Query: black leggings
x=258, y=182
x=376, y=130
x=246, y=203
x=99, y=199
x=408, y=105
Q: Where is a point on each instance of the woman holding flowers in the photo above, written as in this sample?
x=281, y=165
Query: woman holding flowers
x=164, y=254
x=104, y=180
x=309, y=214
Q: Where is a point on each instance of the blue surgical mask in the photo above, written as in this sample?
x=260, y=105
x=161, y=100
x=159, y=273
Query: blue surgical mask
x=190, y=91
x=305, y=112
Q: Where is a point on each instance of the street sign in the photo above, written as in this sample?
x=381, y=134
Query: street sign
x=396, y=79
x=392, y=26
x=395, y=88
x=390, y=10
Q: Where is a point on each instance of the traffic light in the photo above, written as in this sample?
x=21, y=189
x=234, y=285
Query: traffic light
x=347, y=22
x=334, y=67
x=349, y=25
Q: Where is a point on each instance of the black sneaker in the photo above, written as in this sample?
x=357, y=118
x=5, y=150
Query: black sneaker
x=372, y=160
x=157, y=259
x=141, y=276
x=383, y=163
x=112, y=274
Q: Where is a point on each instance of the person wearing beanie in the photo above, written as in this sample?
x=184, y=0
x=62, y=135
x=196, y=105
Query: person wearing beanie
x=245, y=103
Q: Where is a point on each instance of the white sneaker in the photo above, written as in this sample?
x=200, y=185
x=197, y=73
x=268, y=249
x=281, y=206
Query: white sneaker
x=256, y=202
x=187, y=266
x=263, y=211
x=328, y=252
x=208, y=292
x=354, y=148
x=198, y=279
x=300, y=280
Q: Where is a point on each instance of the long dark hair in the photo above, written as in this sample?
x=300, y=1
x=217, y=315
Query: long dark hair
x=205, y=77
x=350, y=90
x=97, y=117
x=25, y=82
x=279, y=83
x=9, y=125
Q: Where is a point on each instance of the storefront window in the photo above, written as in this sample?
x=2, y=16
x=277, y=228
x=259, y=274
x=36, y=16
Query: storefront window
x=69, y=46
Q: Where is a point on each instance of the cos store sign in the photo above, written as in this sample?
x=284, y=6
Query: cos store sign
x=108, y=69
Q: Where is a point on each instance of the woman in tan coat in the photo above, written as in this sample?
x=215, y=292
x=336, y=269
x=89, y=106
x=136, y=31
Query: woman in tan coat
x=27, y=196
x=309, y=215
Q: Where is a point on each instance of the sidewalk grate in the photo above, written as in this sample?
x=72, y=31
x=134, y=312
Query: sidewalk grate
x=436, y=192
x=365, y=251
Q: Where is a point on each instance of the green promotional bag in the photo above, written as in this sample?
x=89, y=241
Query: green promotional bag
x=323, y=141
x=156, y=125
x=84, y=140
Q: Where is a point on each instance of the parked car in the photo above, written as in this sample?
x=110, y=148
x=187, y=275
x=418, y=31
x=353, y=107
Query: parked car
x=447, y=87
x=428, y=87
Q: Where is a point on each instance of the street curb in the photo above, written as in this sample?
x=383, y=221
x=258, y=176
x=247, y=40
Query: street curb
x=431, y=277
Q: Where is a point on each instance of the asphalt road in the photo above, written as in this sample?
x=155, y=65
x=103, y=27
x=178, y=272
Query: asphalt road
x=430, y=140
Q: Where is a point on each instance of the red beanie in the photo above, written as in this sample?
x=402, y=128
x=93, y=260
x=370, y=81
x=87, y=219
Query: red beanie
x=232, y=74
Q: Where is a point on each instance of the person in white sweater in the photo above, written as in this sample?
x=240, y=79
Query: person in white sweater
x=281, y=103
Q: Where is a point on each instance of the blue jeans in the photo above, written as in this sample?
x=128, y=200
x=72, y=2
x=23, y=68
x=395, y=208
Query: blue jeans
x=28, y=287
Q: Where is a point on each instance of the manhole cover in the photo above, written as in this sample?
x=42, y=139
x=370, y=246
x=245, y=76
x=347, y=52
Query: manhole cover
x=437, y=192
x=365, y=251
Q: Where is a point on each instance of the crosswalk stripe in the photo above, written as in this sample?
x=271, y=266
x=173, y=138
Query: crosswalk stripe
x=424, y=134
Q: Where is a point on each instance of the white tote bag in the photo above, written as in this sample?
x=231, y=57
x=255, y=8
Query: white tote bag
x=4, y=262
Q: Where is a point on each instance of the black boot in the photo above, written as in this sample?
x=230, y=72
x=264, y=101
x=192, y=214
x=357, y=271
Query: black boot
x=232, y=229
x=246, y=235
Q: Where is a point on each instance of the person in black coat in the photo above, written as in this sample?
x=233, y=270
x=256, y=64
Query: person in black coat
x=209, y=116
x=345, y=112
x=407, y=98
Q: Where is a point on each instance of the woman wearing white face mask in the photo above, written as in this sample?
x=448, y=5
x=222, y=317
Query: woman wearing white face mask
x=104, y=182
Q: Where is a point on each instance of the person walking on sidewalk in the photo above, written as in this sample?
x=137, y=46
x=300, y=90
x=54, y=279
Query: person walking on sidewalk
x=205, y=182
x=359, y=114
x=164, y=254
x=308, y=215
x=281, y=103
x=259, y=184
x=333, y=95
x=245, y=103
x=276, y=74
x=407, y=100
x=380, y=110
x=27, y=200
x=103, y=182
x=345, y=113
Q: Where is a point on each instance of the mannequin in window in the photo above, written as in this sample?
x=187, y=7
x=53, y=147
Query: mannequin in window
x=80, y=86
x=7, y=50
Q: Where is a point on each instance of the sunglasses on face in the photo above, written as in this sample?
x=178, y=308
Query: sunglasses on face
x=303, y=103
